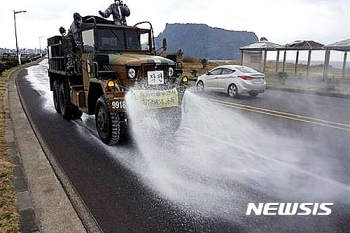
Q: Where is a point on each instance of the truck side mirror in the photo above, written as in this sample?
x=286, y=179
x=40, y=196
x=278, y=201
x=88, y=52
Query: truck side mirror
x=165, y=44
x=62, y=31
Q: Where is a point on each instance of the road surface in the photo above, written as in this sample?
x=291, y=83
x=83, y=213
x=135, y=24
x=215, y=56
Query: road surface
x=277, y=148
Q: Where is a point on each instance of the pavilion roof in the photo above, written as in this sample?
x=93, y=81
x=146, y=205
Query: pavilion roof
x=261, y=46
x=302, y=45
x=343, y=45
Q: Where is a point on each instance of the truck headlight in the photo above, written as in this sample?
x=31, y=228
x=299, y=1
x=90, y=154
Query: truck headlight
x=131, y=73
x=171, y=71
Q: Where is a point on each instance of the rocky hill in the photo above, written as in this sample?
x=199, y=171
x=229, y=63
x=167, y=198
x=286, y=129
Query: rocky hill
x=202, y=41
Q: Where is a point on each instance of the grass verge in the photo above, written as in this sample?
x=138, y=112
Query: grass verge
x=9, y=216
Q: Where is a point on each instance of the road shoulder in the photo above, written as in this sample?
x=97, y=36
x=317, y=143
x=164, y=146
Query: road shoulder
x=43, y=203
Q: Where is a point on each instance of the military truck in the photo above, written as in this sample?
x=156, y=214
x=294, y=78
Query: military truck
x=110, y=62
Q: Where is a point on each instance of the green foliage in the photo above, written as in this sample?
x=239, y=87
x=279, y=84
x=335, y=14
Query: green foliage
x=9, y=61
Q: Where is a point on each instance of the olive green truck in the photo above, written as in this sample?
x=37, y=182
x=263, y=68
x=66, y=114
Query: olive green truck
x=95, y=75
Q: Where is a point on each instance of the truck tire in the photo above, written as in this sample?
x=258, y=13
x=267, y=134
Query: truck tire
x=65, y=104
x=107, y=123
x=76, y=113
x=123, y=128
x=55, y=95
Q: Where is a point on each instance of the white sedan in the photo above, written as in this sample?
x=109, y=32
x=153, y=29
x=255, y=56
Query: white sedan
x=233, y=80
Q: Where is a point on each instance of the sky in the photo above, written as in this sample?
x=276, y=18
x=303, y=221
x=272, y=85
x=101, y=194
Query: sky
x=280, y=21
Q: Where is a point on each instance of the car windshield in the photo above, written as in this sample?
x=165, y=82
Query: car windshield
x=116, y=39
x=245, y=69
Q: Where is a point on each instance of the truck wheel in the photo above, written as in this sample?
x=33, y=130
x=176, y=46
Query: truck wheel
x=123, y=130
x=76, y=113
x=55, y=93
x=65, y=104
x=107, y=123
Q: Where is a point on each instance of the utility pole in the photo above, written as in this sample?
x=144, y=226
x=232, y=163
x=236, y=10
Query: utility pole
x=40, y=44
x=14, y=16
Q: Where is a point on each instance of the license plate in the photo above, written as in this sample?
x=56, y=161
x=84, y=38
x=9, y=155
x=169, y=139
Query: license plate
x=152, y=99
x=258, y=80
x=155, y=77
x=118, y=104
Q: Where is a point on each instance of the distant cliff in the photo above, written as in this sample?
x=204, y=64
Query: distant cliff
x=202, y=41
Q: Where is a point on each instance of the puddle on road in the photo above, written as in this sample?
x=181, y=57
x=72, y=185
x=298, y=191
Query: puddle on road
x=40, y=83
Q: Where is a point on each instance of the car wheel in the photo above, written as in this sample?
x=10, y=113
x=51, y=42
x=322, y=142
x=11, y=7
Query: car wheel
x=55, y=95
x=200, y=86
x=253, y=94
x=232, y=90
x=107, y=123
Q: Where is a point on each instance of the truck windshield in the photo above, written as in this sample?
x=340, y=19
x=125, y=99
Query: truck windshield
x=117, y=39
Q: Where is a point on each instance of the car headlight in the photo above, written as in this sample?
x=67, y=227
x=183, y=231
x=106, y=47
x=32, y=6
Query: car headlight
x=171, y=71
x=131, y=73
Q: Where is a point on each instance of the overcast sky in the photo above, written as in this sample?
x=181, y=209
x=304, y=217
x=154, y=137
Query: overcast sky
x=280, y=21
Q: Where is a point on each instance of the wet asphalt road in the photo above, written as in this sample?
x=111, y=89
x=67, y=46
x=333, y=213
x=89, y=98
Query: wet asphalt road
x=120, y=201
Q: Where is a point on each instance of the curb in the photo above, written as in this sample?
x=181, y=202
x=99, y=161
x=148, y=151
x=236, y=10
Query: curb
x=321, y=93
x=42, y=202
x=27, y=218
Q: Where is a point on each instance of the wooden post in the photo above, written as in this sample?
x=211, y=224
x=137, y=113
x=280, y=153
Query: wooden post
x=296, y=63
x=326, y=64
x=277, y=61
x=284, y=60
x=308, y=63
x=265, y=57
x=344, y=64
